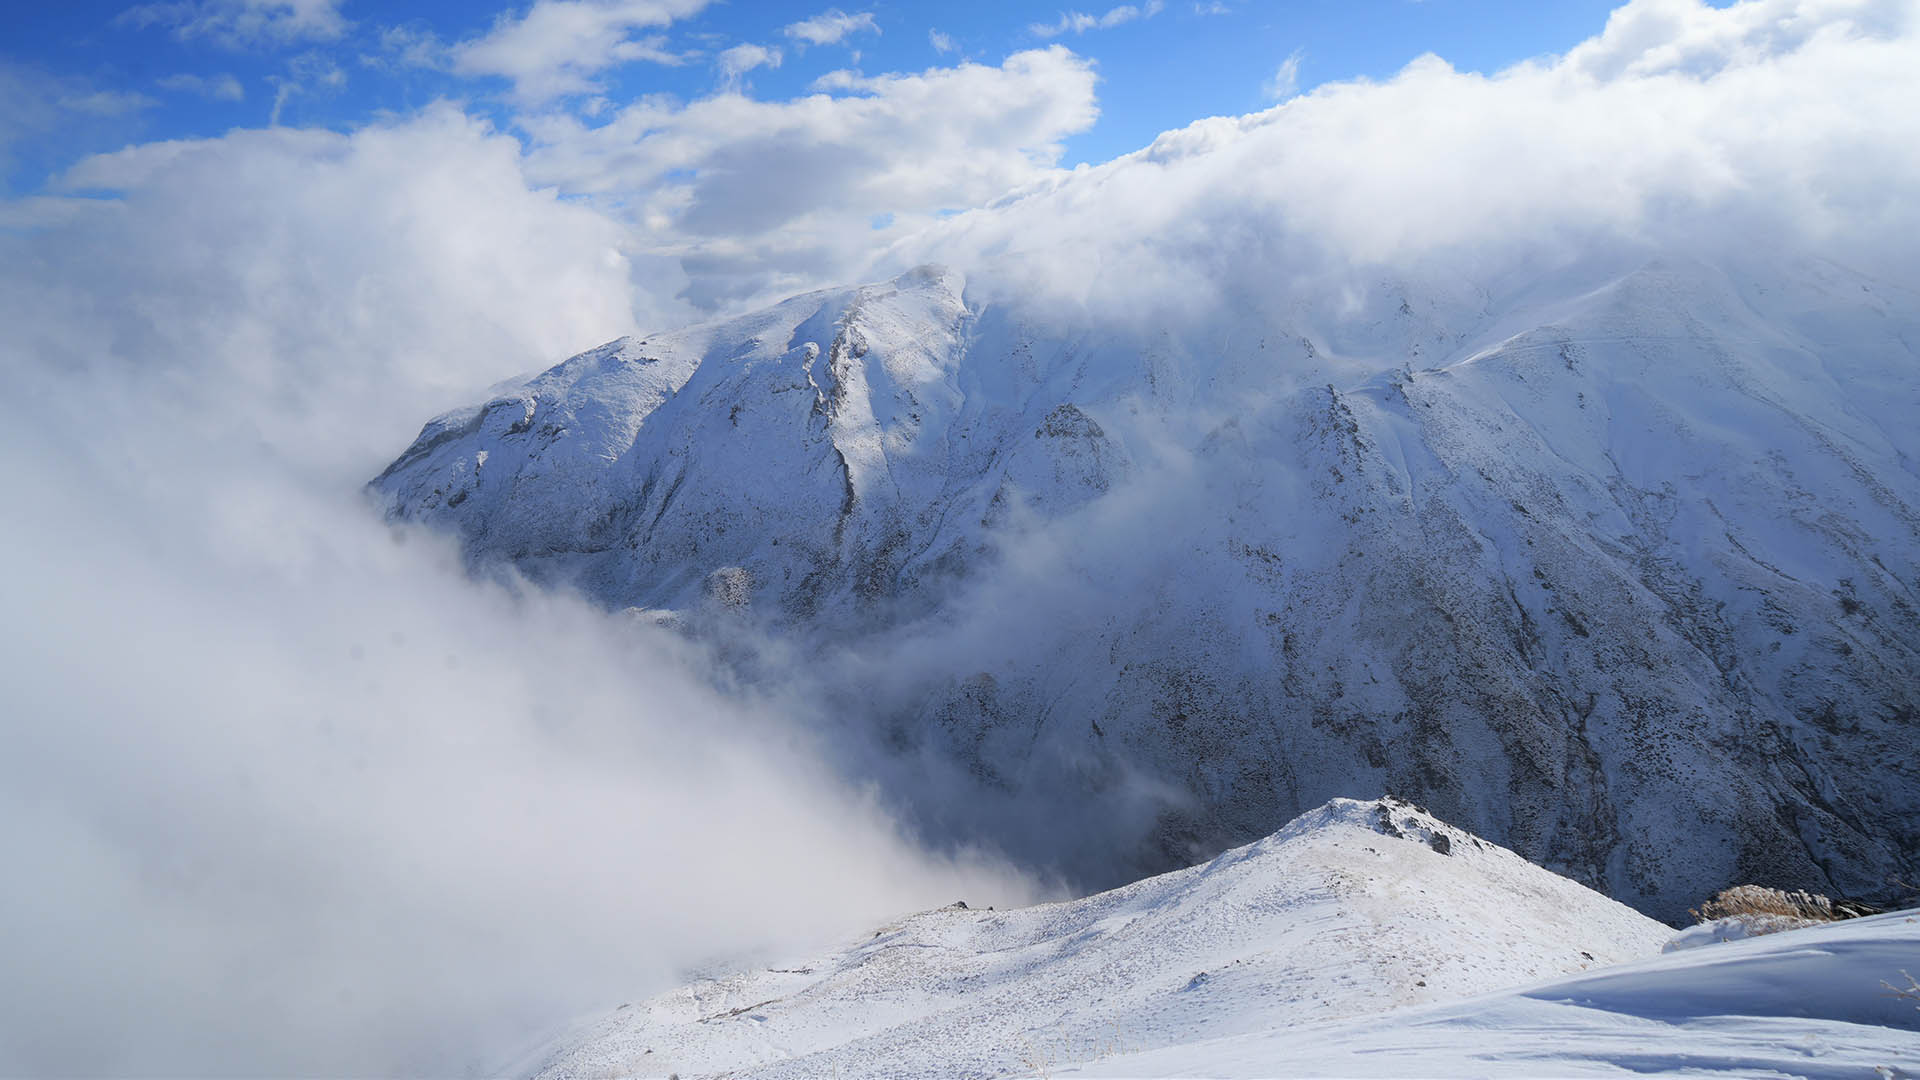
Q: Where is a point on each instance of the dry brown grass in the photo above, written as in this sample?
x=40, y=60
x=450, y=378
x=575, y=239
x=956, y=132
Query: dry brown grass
x=1760, y=900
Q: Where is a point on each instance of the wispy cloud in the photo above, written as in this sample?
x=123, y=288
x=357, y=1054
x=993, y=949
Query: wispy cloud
x=105, y=102
x=211, y=87
x=408, y=46
x=737, y=61
x=1076, y=22
x=311, y=72
x=243, y=24
x=831, y=26
x=1286, y=79
x=941, y=41
x=37, y=105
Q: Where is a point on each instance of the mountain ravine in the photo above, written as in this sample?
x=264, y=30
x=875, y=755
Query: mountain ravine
x=1617, y=568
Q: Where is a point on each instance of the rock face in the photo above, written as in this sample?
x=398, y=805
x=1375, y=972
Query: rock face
x=1620, y=569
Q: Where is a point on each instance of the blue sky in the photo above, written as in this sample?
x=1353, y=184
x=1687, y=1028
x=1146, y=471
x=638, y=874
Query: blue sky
x=131, y=72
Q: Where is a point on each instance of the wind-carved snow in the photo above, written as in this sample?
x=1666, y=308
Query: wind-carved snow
x=1822, y=1002
x=1616, y=567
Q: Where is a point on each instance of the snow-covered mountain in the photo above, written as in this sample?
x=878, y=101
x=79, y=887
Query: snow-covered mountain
x=1364, y=939
x=1616, y=564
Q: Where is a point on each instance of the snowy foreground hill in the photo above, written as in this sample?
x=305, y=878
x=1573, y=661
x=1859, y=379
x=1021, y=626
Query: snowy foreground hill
x=1364, y=939
x=1616, y=564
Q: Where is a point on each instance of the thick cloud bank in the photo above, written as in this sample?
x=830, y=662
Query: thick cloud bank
x=282, y=791
x=1680, y=127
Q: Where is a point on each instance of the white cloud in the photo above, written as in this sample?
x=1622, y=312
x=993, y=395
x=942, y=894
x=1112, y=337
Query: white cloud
x=558, y=46
x=754, y=197
x=1684, y=37
x=212, y=87
x=1212, y=7
x=1286, y=79
x=1682, y=125
x=740, y=59
x=438, y=188
x=831, y=26
x=297, y=797
x=1076, y=22
x=942, y=42
x=243, y=24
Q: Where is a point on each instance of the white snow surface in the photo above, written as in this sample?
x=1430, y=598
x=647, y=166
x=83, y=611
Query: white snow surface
x=1817, y=1002
x=1353, y=910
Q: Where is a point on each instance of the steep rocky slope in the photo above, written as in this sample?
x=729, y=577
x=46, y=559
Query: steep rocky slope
x=1618, y=566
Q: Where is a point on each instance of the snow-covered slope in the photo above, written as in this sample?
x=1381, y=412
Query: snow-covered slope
x=1352, y=910
x=1822, y=1002
x=1618, y=565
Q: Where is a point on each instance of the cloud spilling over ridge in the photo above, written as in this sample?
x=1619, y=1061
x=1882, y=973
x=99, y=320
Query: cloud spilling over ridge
x=1765, y=132
x=1155, y=284
x=293, y=794
x=1680, y=126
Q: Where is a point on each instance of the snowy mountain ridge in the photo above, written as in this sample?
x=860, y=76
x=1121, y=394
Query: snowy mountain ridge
x=1354, y=909
x=1618, y=565
x=1364, y=939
